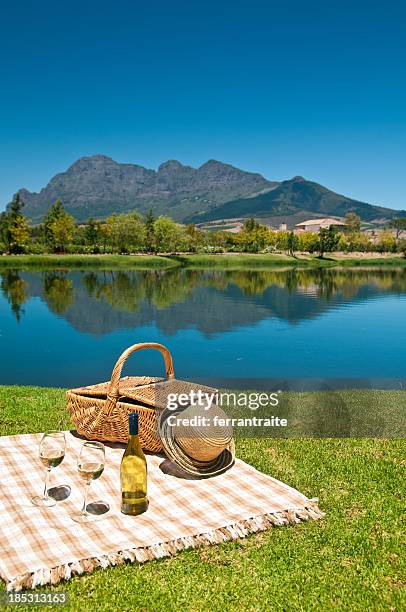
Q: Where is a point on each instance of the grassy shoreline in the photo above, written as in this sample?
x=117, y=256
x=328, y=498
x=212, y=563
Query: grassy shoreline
x=361, y=486
x=204, y=261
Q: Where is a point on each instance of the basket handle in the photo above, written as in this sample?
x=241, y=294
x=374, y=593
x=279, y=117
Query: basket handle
x=113, y=392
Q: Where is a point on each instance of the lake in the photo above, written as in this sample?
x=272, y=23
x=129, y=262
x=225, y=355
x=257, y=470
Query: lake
x=66, y=328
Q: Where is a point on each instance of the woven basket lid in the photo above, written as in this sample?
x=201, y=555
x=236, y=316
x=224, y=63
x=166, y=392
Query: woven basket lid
x=150, y=391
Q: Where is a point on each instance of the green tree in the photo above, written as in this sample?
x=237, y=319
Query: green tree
x=4, y=232
x=93, y=234
x=20, y=234
x=150, y=231
x=104, y=236
x=353, y=222
x=402, y=247
x=62, y=230
x=292, y=243
x=253, y=237
x=56, y=213
x=355, y=241
x=343, y=244
x=308, y=242
x=387, y=242
x=126, y=233
x=399, y=225
x=218, y=241
x=282, y=240
x=195, y=238
x=250, y=224
x=167, y=235
x=16, y=206
x=328, y=240
x=15, y=227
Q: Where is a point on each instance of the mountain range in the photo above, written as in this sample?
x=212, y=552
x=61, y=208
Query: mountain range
x=98, y=186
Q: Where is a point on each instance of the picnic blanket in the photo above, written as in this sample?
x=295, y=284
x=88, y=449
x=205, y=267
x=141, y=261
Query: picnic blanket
x=44, y=545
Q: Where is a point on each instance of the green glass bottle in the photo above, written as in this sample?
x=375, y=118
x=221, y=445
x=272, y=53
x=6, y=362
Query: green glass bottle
x=133, y=473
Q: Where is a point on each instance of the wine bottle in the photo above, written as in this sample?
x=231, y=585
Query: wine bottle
x=133, y=473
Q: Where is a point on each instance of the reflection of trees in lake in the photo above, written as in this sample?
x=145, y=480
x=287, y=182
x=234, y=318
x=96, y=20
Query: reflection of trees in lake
x=163, y=289
x=122, y=290
x=211, y=300
x=128, y=290
x=250, y=282
x=90, y=281
x=322, y=282
x=58, y=291
x=349, y=281
x=15, y=290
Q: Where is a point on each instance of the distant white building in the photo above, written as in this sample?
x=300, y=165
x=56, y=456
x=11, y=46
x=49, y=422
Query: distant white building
x=315, y=225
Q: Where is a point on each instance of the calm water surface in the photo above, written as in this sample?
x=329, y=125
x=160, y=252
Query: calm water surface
x=66, y=328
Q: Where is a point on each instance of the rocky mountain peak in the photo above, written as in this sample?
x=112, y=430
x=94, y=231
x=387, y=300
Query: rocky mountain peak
x=170, y=166
x=217, y=166
x=97, y=186
x=90, y=163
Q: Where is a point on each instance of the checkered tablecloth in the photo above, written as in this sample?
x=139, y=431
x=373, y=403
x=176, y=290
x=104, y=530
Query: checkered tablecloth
x=44, y=545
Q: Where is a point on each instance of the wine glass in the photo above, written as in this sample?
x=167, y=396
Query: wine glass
x=51, y=453
x=91, y=461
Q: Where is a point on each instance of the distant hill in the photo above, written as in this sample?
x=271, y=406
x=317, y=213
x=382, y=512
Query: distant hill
x=98, y=186
x=297, y=199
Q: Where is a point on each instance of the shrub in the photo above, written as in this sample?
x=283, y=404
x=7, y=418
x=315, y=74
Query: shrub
x=402, y=247
x=37, y=248
x=387, y=243
x=308, y=242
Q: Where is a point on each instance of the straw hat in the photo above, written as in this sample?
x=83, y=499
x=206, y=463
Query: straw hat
x=197, y=440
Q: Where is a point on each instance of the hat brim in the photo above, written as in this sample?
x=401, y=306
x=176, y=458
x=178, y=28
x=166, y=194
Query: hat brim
x=175, y=453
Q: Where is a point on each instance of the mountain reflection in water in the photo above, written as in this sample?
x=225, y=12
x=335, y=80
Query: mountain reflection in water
x=99, y=302
x=212, y=303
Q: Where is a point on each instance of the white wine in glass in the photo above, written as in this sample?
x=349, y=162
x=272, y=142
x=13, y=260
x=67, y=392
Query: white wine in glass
x=51, y=453
x=90, y=467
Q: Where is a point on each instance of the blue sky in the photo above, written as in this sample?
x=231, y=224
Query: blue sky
x=310, y=88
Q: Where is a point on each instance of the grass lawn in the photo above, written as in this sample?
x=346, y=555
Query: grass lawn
x=255, y=261
x=85, y=261
x=352, y=560
x=228, y=260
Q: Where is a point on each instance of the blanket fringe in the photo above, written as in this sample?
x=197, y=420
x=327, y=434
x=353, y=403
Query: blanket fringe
x=237, y=530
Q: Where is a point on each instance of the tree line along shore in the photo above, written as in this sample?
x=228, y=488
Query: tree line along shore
x=131, y=233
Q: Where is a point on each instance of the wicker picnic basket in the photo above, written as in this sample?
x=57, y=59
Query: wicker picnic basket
x=100, y=412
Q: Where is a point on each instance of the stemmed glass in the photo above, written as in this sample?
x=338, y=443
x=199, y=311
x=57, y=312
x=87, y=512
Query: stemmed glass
x=51, y=453
x=91, y=461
